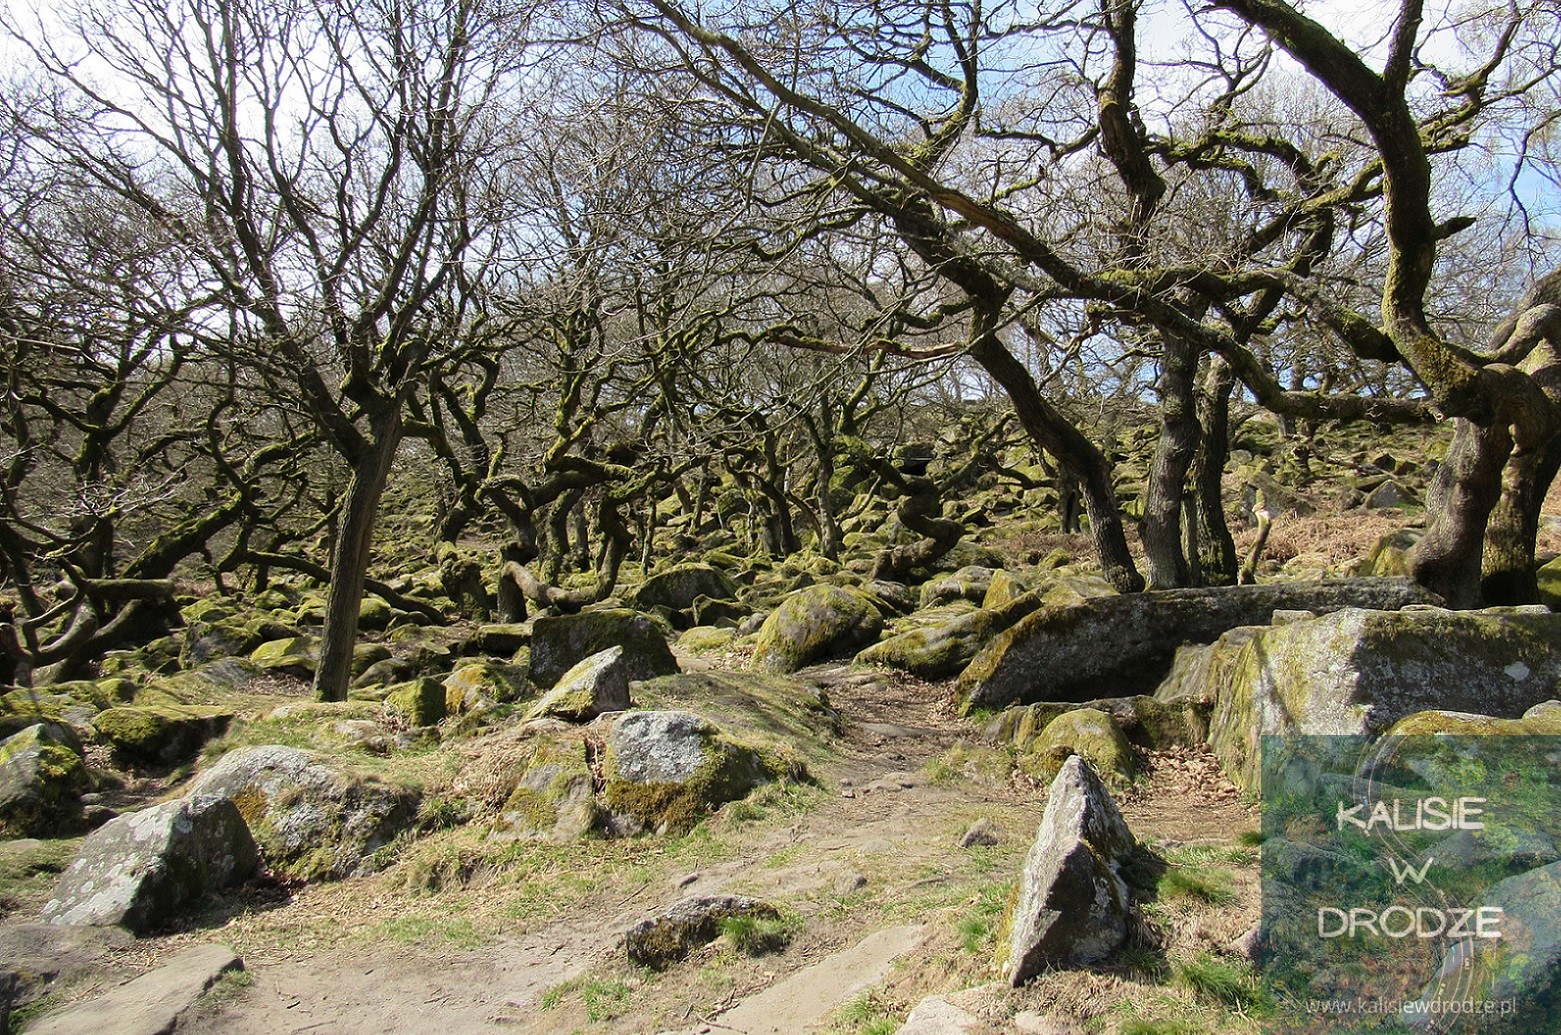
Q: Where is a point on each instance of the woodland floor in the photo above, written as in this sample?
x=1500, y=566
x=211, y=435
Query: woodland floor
x=457, y=937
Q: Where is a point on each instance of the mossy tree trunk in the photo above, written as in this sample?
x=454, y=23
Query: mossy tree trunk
x=1173, y=456
x=351, y=552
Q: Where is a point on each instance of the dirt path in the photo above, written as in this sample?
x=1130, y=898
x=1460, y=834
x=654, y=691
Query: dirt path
x=888, y=819
x=872, y=864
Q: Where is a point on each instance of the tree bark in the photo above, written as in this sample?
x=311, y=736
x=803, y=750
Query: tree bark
x=1215, y=547
x=351, y=552
x=1507, y=573
x=1178, y=440
x=1465, y=490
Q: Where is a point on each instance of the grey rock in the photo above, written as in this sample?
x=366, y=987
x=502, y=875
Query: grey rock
x=672, y=935
x=678, y=587
x=935, y=1015
x=982, y=832
x=312, y=819
x=597, y=685
x=968, y=583
x=153, y=1003
x=1522, y=967
x=1072, y=906
x=35, y=956
x=558, y=643
x=140, y=870
x=1055, y=654
x=666, y=769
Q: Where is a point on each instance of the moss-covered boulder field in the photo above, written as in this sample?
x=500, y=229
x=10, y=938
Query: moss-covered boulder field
x=860, y=763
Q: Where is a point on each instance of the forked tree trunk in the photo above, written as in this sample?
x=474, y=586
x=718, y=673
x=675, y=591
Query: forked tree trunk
x=350, y=555
x=1213, y=544
x=1465, y=490
x=1507, y=575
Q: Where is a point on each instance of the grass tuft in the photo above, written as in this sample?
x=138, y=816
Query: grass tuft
x=1221, y=981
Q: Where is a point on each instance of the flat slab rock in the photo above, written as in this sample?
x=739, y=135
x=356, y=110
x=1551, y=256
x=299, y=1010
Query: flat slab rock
x=153, y=1003
x=1055, y=653
x=796, y=1005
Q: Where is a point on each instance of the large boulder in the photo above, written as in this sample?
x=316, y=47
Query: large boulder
x=1357, y=672
x=312, y=819
x=1056, y=654
x=673, y=934
x=597, y=685
x=812, y=624
x=942, y=650
x=558, y=643
x=665, y=770
x=968, y=583
x=160, y=734
x=138, y=871
x=42, y=777
x=1521, y=969
x=1072, y=906
x=678, y=587
x=477, y=686
x=295, y=655
x=419, y=702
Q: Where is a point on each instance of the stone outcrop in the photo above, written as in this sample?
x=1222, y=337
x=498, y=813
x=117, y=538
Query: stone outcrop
x=1120, y=645
x=311, y=819
x=1358, y=672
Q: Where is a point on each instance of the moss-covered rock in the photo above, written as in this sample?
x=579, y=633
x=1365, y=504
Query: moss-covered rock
x=1004, y=588
x=1358, y=672
x=1126, y=644
x=813, y=624
x=42, y=777
x=558, y=643
x=554, y=796
x=671, y=936
x=665, y=770
x=480, y=685
x=678, y=587
x=1542, y=720
x=160, y=734
x=968, y=583
x=296, y=655
x=421, y=702
x=942, y=650
x=1145, y=721
x=1549, y=578
x=706, y=639
x=597, y=685
x=1087, y=732
x=313, y=818
x=374, y=612
x=1390, y=554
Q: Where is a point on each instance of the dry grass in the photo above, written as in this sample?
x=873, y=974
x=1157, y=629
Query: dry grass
x=1336, y=540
